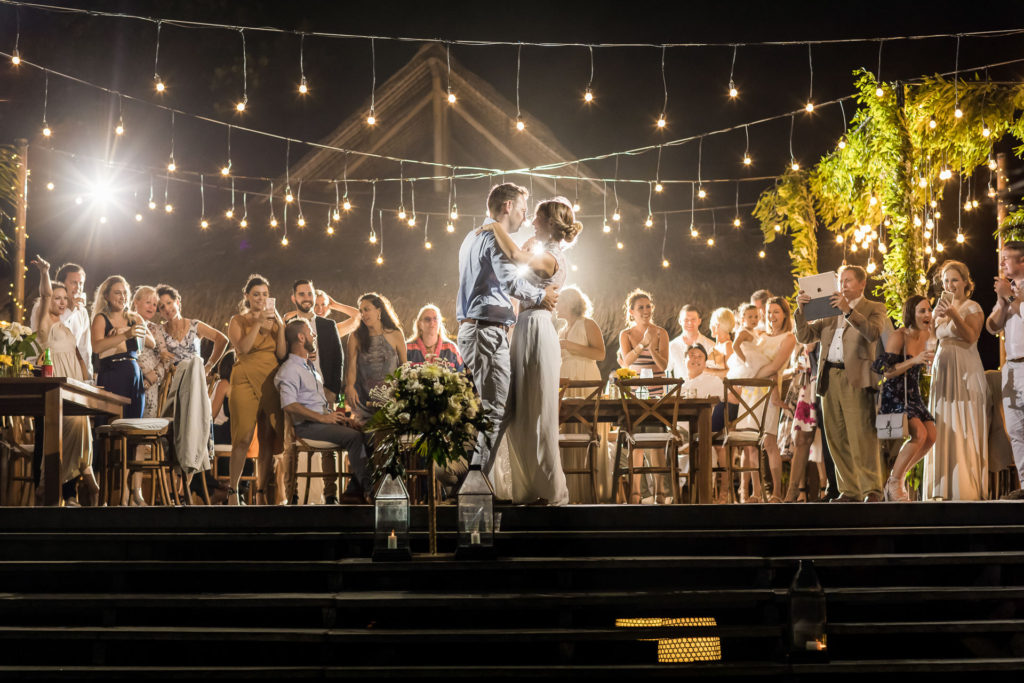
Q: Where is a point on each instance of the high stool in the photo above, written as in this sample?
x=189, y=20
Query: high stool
x=17, y=486
x=119, y=442
x=222, y=452
x=309, y=447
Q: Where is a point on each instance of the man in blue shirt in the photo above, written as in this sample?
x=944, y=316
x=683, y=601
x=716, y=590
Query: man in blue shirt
x=302, y=396
x=484, y=311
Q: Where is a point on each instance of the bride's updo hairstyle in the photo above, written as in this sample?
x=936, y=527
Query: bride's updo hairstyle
x=564, y=226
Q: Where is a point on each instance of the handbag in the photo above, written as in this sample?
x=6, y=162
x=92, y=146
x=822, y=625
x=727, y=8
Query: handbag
x=892, y=426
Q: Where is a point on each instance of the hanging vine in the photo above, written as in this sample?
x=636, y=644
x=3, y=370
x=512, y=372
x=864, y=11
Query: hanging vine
x=789, y=210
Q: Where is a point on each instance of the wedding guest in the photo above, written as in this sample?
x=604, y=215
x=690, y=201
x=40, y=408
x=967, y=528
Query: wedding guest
x=55, y=335
x=582, y=349
x=721, y=326
x=848, y=344
x=77, y=317
x=760, y=301
x=431, y=341
x=799, y=403
x=220, y=392
x=957, y=466
x=374, y=351
x=777, y=346
x=906, y=354
x=183, y=336
x=153, y=361
x=1006, y=318
x=257, y=335
x=325, y=304
x=313, y=416
x=689, y=321
x=642, y=344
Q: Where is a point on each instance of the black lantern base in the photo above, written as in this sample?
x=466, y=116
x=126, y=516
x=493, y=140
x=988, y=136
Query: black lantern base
x=392, y=555
x=476, y=552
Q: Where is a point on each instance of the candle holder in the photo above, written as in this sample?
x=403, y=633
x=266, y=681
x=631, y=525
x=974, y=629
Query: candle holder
x=476, y=518
x=391, y=521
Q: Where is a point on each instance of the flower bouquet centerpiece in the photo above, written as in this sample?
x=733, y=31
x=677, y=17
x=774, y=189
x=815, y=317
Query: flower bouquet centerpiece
x=16, y=342
x=428, y=411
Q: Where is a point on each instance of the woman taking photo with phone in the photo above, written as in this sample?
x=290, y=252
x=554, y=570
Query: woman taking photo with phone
x=957, y=466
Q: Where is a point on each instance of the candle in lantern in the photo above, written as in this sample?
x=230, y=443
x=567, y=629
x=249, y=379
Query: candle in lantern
x=392, y=541
x=474, y=537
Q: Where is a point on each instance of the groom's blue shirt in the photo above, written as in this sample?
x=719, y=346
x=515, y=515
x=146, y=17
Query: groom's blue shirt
x=487, y=278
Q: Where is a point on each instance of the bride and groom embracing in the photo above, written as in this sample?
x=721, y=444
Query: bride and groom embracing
x=517, y=382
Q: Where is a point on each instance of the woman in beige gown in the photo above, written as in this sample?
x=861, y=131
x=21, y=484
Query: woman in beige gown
x=582, y=348
x=76, y=454
x=957, y=466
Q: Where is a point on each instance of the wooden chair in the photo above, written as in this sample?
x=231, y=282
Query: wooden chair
x=309, y=448
x=734, y=437
x=639, y=415
x=17, y=485
x=581, y=414
x=120, y=441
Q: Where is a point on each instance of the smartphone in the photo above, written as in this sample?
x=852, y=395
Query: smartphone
x=271, y=304
x=947, y=297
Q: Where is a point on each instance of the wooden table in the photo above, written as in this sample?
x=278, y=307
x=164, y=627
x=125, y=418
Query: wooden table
x=695, y=411
x=52, y=398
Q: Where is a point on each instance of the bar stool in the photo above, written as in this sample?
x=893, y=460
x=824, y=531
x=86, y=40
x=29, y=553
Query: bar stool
x=123, y=437
x=309, y=448
x=580, y=420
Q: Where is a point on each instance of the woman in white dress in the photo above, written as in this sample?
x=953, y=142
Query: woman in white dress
x=957, y=466
x=532, y=435
x=582, y=348
x=76, y=452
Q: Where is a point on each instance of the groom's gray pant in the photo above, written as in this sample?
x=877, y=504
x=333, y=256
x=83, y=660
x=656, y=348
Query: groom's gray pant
x=485, y=352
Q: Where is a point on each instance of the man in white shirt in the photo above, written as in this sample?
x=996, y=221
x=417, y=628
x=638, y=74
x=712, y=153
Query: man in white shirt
x=76, y=317
x=689, y=320
x=1006, y=318
x=705, y=385
x=760, y=300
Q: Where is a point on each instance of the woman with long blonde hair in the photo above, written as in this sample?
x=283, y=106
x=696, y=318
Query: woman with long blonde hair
x=430, y=341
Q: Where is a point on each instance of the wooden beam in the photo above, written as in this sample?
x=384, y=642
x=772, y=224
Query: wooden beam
x=20, y=217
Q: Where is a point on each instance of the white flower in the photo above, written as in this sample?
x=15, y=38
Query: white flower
x=404, y=418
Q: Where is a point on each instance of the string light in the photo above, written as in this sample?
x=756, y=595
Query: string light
x=426, y=234
x=168, y=207
x=809, y=107
x=957, y=112
x=46, y=98
x=878, y=72
x=203, y=223
x=244, y=223
x=746, y=152
x=519, y=113
x=932, y=123
x=985, y=131
x=303, y=84
x=270, y=202
x=138, y=217
x=576, y=201
x=330, y=227
x=733, y=92
x=152, y=201
x=225, y=170
x=119, y=128
x=373, y=203
x=650, y=216
x=15, y=55
x=842, y=138
x=991, y=163
x=700, y=163
x=380, y=221
x=588, y=94
x=761, y=254
x=230, y=213
x=412, y=218
x=50, y=186
x=301, y=220
x=158, y=83
x=448, y=57
x=661, y=123
x=693, y=228
x=244, y=102
x=736, y=221
x=171, y=166
x=605, y=228
x=793, y=163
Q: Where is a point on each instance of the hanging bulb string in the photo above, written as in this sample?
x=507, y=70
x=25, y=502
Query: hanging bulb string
x=373, y=74
x=245, y=69
x=46, y=93
x=519, y=53
x=792, y=121
x=590, y=81
x=664, y=239
x=810, y=84
x=878, y=71
x=202, y=196
x=732, y=67
x=302, y=60
x=156, y=52
x=956, y=68
x=664, y=81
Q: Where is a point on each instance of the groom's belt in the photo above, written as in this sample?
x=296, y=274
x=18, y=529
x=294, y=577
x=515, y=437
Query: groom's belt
x=484, y=323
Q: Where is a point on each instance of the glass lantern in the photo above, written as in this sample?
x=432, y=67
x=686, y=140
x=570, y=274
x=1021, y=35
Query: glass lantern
x=391, y=521
x=476, y=517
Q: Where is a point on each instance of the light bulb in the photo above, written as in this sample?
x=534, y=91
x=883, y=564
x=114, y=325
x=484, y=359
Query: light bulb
x=694, y=233
x=658, y=187
x=371, y=119
x=665, y=263
x=760, y=254
x=958, y=112
x=428, y=245
x=991, y=164
x=588, y=96
x=661, y=121
x=303, y=87
x=809, y=107
x=879, y=92
x=927, y=233
x=169, y=208
x=795, y=166
x=152, y=204
x=373, y=238
x=204, y=224
x=974, y=203
x=412, y=221
x=606, y=228
x=873, y=200
x=380, y=260
x=776, y=227
x=401, y=214
x=225, y=170
x=240, y=107
x=519, y=124
x=330, y=229
x=347, y=205
x=649, y=222
x=230, y=213
x=733, y=92
x=882, y=248
x=842, y=143
x=871, y=267
x=50, y=186
x=959, y=238
x=839, y=239
x=273, y=221
x=46, y=131
x=736, y=221
x=853, y=247
x=16, y=58
x=138, y=218
x=616, y=216
x=933, y=203
x=922, y=280
x=991, y=191
x=119, y=129
x=171, y=166
x=940, y=247
x=335, y=215
x=985, y=132
x=289, y=197
x=450, y=227
x=243, y=223
x=702, y=193
x=932, y=260
x=454, y=215
x=747, y=160
x=284, y=241
x=451, y=97
x=301, y=222
x=917, y=221
x=967, y=205
x=619, y=245
x=711, y=241
x=932, y=122
x=922, y=182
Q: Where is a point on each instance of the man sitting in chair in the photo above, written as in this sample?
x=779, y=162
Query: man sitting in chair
x=302, y=396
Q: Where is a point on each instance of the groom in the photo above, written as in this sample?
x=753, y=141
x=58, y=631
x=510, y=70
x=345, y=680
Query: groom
x=484, y=311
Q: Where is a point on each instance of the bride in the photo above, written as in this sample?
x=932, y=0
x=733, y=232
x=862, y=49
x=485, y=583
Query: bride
x=533, y=465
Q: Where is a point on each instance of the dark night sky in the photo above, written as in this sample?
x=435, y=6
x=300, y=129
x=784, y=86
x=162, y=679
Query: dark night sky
x=202, y=69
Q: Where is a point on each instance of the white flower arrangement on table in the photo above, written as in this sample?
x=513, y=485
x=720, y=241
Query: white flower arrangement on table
x=429, y=409
x=16, y=341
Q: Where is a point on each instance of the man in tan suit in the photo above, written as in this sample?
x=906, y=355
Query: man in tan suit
x=848, y=346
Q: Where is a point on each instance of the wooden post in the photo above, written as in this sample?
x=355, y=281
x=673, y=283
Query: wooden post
x=21, y=212
x=1000, y=217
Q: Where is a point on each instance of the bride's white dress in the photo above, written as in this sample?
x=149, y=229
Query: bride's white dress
x=528, y=464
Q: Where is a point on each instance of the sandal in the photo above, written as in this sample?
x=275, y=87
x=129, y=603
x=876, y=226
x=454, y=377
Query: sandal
x=233, y=497
x=802, y=495
x=774, y=499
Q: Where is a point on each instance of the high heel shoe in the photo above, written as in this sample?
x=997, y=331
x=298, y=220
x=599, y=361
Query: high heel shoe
x=136, y=499
x=894, y=492
x=233, y=497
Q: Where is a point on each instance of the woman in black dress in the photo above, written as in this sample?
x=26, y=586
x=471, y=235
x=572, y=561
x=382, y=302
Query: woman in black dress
x=906, y=352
